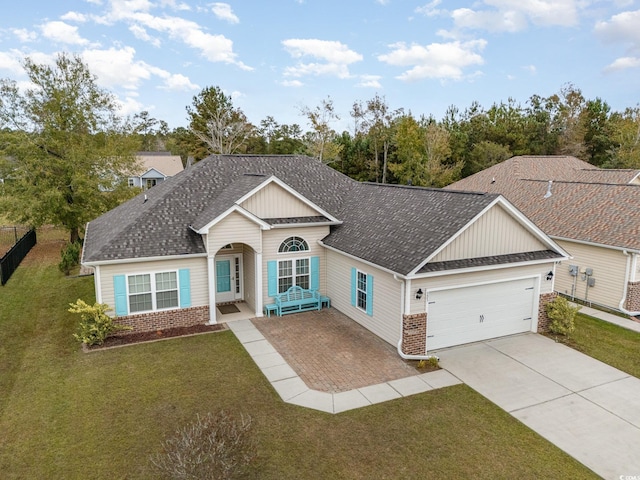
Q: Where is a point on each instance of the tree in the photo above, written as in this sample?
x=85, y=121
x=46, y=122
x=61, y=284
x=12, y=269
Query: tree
x=70, y=148
x=152, y=133
x=280, y=139
x=319, y=140
x=626, y=138
x=220, y=127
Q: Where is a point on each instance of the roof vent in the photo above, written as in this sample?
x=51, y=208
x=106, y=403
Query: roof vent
x=548, y=194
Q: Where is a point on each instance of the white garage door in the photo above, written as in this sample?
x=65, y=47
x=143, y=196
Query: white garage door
x=471, y=314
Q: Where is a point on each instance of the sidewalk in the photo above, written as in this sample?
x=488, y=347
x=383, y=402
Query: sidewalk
x=609, y=317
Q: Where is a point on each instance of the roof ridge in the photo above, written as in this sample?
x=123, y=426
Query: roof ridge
x=580, y=182
x=427, y=189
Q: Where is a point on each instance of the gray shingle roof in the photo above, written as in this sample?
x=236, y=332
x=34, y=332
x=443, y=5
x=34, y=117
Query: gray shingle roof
x=587, y=204
x=396, y=227
x=487, y=261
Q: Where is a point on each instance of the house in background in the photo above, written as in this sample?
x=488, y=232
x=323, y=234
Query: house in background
x=153, y=168
x=421, y=268
x=592, y=213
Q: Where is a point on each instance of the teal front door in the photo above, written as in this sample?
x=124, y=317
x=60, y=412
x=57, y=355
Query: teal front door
x=223, y=276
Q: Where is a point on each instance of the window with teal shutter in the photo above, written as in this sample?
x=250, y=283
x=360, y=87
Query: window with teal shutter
x=120, y=294
x=370, y=295
x=185, y=287
x=315, y=273
x=354, y=281
x=272, y=278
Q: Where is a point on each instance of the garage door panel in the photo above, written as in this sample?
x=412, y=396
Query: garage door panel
x=471, y=314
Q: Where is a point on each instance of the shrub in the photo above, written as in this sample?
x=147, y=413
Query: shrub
x=215, y=446
x=70, y=257
x=562, y=316
x=95, y=325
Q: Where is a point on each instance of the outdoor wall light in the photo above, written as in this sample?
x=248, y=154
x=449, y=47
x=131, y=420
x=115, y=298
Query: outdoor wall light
x=419, y=294
x=549, y=275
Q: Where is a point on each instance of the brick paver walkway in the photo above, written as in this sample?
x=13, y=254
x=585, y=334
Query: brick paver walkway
x=331, y=352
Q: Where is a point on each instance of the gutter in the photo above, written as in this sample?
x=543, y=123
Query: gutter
x=399, y=347
x=625, y=290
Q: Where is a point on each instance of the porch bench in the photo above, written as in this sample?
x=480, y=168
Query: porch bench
x=297, y=299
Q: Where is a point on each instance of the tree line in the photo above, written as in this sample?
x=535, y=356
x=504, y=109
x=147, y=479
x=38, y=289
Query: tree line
x=65, y=153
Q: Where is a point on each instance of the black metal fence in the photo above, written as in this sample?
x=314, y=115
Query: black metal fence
x=10, y=261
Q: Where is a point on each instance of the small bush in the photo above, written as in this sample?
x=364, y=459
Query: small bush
x=70, y=257
x=95, y=325
x=562, y=316
x=212, y=447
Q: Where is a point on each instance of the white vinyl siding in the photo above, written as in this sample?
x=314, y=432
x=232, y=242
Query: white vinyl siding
x=273, y=201
x=387, y=316
x=494, y=233
x=197, y=273
x=235, y=228
x=609, y=268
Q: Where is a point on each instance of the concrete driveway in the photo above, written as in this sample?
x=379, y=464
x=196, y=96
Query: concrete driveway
x=587, y=408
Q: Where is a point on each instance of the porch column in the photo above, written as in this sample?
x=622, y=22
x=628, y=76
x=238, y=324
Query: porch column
x=211, y=267
x=258, y=286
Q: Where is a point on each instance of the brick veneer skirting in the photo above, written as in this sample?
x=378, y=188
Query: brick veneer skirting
x=633, y=296
x=149, y=322
x=543, y=319
x=414, y=334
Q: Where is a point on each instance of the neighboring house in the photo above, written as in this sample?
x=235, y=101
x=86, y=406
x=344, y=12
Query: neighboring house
x=592, y=213
x=246, y=228
x=153, y=168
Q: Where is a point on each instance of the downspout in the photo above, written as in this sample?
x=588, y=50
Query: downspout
x=402, y=310
x=625, y=290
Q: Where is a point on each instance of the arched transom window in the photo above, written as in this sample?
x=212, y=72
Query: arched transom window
x=293, y=244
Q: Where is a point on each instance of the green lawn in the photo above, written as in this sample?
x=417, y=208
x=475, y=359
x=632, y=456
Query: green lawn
x=69, y=415
x=608, y=343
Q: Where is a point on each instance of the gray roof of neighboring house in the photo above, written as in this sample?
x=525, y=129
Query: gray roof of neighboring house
x=586, y=203
x=395, y=227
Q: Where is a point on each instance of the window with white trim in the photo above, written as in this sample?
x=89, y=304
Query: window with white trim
x=292, y=272
x=149, y=292
x=361, y=290
x=294, y=244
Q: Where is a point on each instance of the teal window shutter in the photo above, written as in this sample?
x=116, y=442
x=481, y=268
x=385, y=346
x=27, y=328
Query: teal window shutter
x=354, y=282
x=185, y=287
x=272, y=278
x=370, y=295
x=120, y=294
x=315, y=273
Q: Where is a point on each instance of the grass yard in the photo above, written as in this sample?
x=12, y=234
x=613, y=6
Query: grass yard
x=608, y=343
x=69, y=415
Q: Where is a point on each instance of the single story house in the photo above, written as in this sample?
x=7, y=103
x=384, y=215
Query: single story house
x=421, y=268
x=592, y=213
x=153, y=168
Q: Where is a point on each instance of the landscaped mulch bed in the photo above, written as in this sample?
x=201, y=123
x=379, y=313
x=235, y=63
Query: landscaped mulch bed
x=142, y=337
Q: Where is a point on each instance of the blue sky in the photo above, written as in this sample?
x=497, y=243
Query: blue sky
x=275, y=57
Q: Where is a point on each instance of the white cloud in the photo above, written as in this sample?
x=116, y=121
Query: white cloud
x=623, y=63
x=142, y=34
x=62, y=33
x=430, y=9
x=292, y=83
x=24, y=35
x=179, y=82
x=74, y=17
x=515, y=15
x=531, y=69
x=622, y=27
x=117, y=68
x=223, y=12
x=215, y=48
x=437, y=60
x=369, y=81
x=130, y=106
x=11, y=61
x=382, y=2
x=336, y=55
